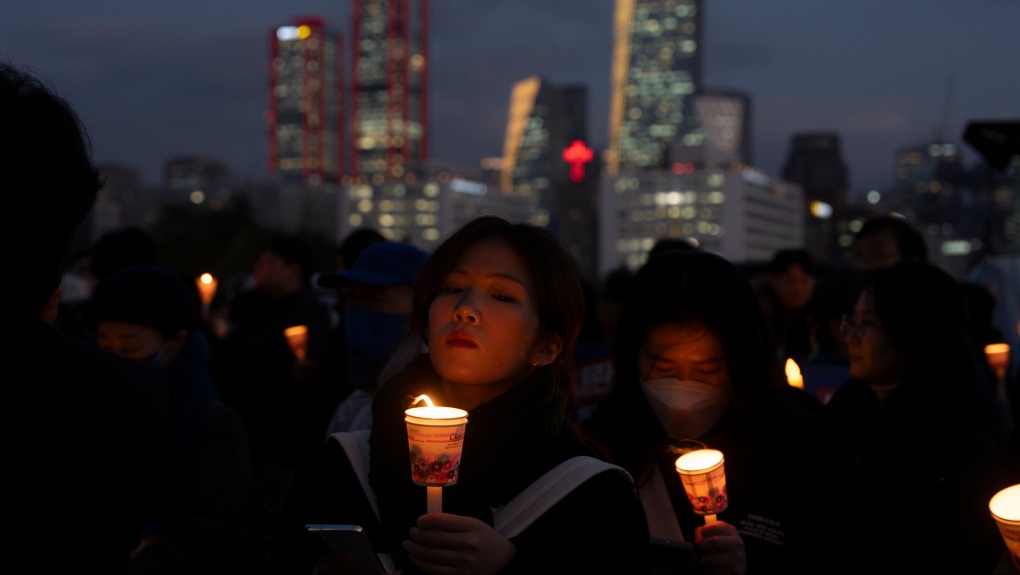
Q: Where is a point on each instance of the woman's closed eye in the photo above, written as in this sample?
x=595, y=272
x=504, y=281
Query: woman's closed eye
x=506, y=298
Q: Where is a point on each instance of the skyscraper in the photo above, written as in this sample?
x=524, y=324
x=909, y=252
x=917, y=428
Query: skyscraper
x=724, y=120
x=656, y=68
x=305, y=119
x=815, y=162
x=543, y=122
x=390, y=87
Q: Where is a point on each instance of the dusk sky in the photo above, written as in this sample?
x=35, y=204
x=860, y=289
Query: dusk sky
x=153, y=80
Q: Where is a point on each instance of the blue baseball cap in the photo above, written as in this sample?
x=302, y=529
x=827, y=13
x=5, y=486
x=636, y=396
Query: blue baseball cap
x=381, y=264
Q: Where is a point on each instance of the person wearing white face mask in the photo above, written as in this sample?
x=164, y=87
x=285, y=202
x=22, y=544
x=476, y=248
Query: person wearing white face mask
x=695, y=367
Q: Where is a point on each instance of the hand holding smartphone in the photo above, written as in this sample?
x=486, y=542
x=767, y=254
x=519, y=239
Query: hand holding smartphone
x=347, y=547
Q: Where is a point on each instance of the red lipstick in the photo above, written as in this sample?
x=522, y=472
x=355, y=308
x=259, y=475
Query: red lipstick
x=460, y=338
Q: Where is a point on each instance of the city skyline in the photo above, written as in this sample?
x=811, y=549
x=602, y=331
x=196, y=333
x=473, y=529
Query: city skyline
x=152, y=83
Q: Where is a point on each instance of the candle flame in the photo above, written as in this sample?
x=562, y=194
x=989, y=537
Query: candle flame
x=793, y=376
x=424, y=398
x=206, y=279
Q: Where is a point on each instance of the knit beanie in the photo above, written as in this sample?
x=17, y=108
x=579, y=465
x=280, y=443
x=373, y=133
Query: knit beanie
x=146, y=295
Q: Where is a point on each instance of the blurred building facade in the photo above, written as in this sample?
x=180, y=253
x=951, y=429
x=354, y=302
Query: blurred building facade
x=815, y=163
x=723, y=132
x=197, y=179
x=735, y=211
x=428, y=204
x=389, y=102
x=965, y=212
x=305, y=102
x=656, y=69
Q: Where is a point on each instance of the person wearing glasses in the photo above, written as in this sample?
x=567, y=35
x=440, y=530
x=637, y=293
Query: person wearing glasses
x=926, y=439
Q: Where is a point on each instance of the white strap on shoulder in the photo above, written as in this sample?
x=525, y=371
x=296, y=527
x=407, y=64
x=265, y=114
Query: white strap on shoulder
x=514, y=517
x=355, y=444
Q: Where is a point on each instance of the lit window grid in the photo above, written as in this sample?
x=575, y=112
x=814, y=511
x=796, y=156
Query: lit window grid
x=381, y=140
x=656, y=206
x=660, y=80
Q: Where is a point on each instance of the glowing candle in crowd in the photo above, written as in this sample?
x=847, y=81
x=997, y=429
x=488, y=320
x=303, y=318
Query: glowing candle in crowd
x=1005, y=508
x=997, y=355
x=435, y=439
x=793, y=376
x=297, y=339
x=206, y=288
x=704, y=479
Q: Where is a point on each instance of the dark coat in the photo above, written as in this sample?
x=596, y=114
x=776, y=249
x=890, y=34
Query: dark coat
x=598, y=528
x=87, y=443
x=928, y=463
x=210, y=520
x=257, y=374
x=790, y=494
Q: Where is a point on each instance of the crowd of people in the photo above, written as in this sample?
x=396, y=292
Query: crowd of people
x=153, y=434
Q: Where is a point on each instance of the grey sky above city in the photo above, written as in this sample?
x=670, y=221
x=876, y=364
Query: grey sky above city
x=155, y=80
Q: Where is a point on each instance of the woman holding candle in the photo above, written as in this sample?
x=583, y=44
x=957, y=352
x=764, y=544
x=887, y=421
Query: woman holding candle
x=499, y=306
x=926, y=437
x=695, y=361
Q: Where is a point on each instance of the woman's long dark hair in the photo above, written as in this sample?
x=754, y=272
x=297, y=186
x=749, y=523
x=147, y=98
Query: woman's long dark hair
x=557, y=285
x=923, y=311
x=691, y=288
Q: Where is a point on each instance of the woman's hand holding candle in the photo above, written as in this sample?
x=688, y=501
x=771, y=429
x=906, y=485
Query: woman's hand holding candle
x=721, y=549
x=444, y=543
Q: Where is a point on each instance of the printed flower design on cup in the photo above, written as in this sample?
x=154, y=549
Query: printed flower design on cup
x=708, y=505
x=443, y=470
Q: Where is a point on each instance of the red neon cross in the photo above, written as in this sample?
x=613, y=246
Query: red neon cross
x=577, y=155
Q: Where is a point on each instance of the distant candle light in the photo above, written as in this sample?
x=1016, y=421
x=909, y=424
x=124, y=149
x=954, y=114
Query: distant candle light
x=793, y=375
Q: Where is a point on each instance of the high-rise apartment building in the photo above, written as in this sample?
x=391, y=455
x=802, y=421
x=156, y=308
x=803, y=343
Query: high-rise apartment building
x=390, y=87
x=305, y=119
x=656, y=69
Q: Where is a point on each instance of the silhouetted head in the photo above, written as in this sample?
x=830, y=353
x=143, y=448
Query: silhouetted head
x=886, y=240
x=354, y=244
x=120, y=249
x=49, y=186
x=283, y=267
x=791, y=277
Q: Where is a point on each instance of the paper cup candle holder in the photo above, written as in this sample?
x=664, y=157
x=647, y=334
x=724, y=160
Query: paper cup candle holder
x=297, y=339
x=1005, y=508
x=435, y=440
x=704, y=479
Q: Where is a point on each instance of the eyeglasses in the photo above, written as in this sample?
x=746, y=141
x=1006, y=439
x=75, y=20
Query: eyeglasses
x=852, y=326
